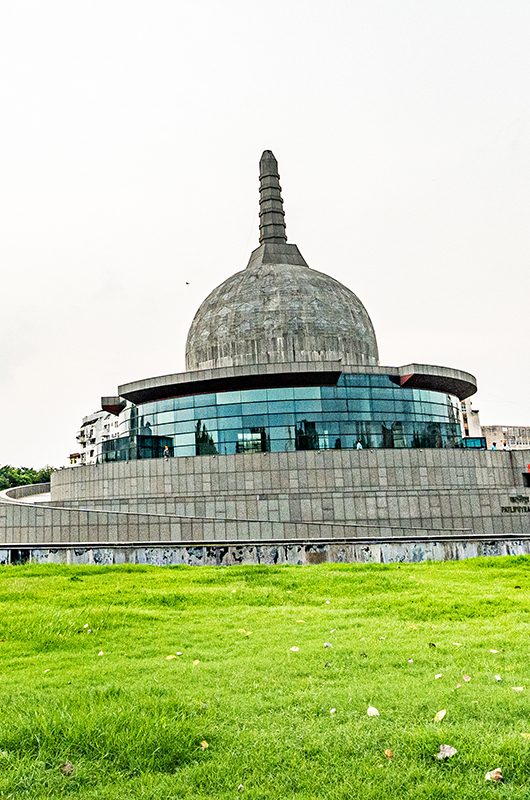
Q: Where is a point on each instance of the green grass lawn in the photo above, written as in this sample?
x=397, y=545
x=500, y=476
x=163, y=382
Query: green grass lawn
x=86, y=680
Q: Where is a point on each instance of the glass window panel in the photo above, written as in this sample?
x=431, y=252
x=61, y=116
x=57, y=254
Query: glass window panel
x=281, y=419
x=380, y=380
x=163, y=405
x=353, y=380
x=358, y=406
x=228, y=397
x=165, y=416
x=307, y=392
x=185, y=438
x=361, y=394
x=254, y=408
x=178, y=427
x=282, y=445
x=204, y=400
x=286, y=393
x=185, y=413
x=254, y=395
x=183, y=402
x=229, y=423
x=334, y=405
x=253, y=420
x=382, y=394
x=379, y=406
x=330, y=418
x=207, y=412
x=307, y=405
x=188, y=450
x=231, y=410
x=280, y=432
x=280, y=407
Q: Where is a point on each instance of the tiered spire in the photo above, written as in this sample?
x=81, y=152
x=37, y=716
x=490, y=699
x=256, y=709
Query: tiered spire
x=271, y=214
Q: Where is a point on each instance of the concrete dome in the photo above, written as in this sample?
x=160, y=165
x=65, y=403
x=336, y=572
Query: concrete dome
x=276, y=312
x=279, y=310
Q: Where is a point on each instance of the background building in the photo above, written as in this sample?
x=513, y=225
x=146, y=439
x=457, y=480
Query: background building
x=510, y=436
x=95, y=429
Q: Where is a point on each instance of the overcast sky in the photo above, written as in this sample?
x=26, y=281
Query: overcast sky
x=130, y=136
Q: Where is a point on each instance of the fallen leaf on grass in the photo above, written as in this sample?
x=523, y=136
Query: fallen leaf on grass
x=457, y=644
x=204, y=745
x=438, y=717
x=196, y=662
x=294, y=649
x=494, y=775
x=446, y=751
x=389, y=753
x=333, y=630
x=373, y=712
x=170, y=657
x=466, y=678
x=244, y=632
x=458, y=686
x=67, y=768
x=518, y=688
x=301, y=621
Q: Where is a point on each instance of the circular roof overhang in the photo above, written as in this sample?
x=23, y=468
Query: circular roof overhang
x=224, y=379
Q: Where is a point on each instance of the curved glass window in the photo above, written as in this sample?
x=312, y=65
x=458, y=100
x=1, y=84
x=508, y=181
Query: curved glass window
x=367, y=411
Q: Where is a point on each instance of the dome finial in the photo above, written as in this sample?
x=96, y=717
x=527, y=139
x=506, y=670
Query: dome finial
x=271, y=214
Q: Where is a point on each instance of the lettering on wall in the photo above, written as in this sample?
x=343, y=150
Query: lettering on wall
x=520, y=505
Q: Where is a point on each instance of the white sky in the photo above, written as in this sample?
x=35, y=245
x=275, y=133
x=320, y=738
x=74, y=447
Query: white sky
x=130, y=135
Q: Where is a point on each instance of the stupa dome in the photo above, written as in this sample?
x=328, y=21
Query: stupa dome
x=278, y=310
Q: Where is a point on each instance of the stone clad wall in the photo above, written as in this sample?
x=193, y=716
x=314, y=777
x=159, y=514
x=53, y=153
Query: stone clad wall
x=31, y=525
x=278, y=508
x=433, y=489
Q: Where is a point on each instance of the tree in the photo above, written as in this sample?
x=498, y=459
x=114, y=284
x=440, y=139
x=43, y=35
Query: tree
x=21, y=476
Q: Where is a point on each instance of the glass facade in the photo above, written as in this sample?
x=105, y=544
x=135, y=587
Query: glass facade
x=368, y=411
